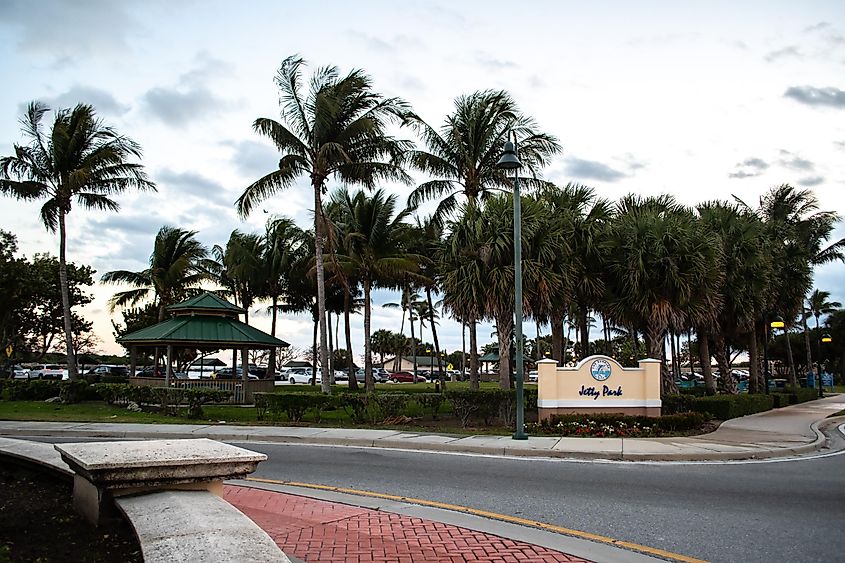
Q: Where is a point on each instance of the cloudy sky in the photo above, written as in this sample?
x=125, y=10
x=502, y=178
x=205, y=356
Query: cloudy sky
x=702, y=100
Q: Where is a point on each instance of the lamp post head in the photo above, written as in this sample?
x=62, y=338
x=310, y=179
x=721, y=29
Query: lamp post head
x=826, y=338
x=777, y=322
x=509, y=160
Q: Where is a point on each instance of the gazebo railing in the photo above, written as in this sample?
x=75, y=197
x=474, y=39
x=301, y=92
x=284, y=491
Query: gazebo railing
x=241, y=394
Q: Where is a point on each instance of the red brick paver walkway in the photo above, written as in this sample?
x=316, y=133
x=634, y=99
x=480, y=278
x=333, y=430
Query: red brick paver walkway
x=320, y=531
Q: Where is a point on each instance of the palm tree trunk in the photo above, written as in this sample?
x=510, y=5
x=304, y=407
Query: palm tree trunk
x=809, y=369
x=726, y=380
x=413, y=342
x=538, y=354
x=674, y=356
x=244, y=358
x=691, y=356
x=557, y=337
x=314, y=351
x=440, y=373
x=321, y=282
x=271, y=363
x=463, y=351
x=584, y=329
x=353, y=380
x=791, y=375
x=73, y=373
x=473, y=354
x=753, y=363
x=654, y=342
x=330, y=369
x=369, y=383
x=504, y=331
x=704, y=357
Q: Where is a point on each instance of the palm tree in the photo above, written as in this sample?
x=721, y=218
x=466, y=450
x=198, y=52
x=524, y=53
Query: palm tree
x=81, y=160
x=336, y=129
x=373, y=250
x=283, y=241
x=818, y=305
x=463, y=153
x=660, y=265
x=177, y=268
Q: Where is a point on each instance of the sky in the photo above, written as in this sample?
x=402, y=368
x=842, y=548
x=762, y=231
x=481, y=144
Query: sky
x=702, y=100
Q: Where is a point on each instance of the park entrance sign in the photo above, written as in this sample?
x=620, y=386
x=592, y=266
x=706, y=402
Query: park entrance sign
x=598, y=384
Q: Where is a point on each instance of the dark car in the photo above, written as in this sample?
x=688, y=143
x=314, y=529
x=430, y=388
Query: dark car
x=405, y=377
x=227, y=373
x=114, y=371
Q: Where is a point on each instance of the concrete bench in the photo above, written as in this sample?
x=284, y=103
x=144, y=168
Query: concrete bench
x=196, y=526
x=104, y=470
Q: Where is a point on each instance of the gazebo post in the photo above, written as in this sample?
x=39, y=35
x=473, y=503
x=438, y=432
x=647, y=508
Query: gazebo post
x=234, y=362
x=169, y=372
x=133, y=360
x=244, y=366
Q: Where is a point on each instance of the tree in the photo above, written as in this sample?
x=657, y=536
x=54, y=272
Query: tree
x=660, y=263
x=336, y=129
x=177, y=267
x=373, y=250
x=80, y=161
x=462, y=154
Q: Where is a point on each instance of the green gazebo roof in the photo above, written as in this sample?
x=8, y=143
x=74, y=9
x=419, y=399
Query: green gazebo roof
x=491, y=357
x=207, y=303
x=212, y=331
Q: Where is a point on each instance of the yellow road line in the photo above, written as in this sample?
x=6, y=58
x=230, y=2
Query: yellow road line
x=503, y=517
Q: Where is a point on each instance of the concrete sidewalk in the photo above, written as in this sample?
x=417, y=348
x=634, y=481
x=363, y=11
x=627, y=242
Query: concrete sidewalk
x=777, y=433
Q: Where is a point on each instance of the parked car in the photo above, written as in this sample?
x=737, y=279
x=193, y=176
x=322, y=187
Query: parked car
x=50, y=371
x=19, y=372
x=228, y=373
x=116, y=371
x=303, y=375
x=380, y=375
x=406, y=377
x=533, y=376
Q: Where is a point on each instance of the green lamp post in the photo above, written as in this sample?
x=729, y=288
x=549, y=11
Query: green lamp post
x=823, y=339
x=510, y=161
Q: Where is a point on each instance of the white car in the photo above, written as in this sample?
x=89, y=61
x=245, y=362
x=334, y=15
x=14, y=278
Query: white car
x=20, y=372
x=50, y=371
x=303, y=375
x=533, y=375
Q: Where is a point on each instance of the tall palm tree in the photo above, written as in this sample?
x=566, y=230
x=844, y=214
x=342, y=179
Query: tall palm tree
x=462, y=154
x=80, y=160
x=335, y=129
x=374, y=250
x=283, y=241
x=177, y=268
x=818, y=305
x=660, y=263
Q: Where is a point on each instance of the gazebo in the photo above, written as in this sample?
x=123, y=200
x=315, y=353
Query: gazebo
x=204, y=322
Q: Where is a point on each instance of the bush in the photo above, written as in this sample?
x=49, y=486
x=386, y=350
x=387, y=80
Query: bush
x=672, y=404
x=466, y=403
x=389, y=405
x=430, y=401
x=356, y=406
x=29, y=390
x=293, y=405
x=726, y=407
x=617, y=425
x=198, y=396
x=76, y=391
x=781, y=399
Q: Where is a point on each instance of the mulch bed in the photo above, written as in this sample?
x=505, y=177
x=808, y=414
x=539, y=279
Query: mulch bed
x=38, y=523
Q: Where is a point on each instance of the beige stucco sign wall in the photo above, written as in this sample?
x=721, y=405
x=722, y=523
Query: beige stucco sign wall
x=598, y=384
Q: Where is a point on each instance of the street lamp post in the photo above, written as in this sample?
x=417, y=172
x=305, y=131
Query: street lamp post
x=823, y=339
x=510, y=161
x=776, y=322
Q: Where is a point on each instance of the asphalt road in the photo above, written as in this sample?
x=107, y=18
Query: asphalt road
x=782, y=511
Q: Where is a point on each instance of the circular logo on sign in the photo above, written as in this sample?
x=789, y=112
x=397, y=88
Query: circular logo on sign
x=600, y=370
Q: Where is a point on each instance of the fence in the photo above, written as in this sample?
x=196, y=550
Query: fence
x=241, y=395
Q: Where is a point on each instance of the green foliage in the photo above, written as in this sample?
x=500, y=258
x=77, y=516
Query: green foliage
x=726, y=407
x=616, y=425
x=28, y=390
x=76, y=391
x=168, y=398
x=196, y=397
x=677, y=403
x=293, y=405
x=430, y=401
x=355, y=405
x=390, y=405
x=466, y=403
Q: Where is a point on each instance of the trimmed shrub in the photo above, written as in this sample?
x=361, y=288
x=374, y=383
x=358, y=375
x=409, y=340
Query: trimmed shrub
x=198, y=396
x=672, y=404
x=429, y=401
x=467, y=403
x=76, y=391
x=356, y=406
x=390, y=405
x=726, y=407
x=293, y=405
x=30, y=389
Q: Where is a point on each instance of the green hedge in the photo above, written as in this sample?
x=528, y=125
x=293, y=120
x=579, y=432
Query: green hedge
x=489, y=404
x=169, y=399
x=293, y=405
x=726, y=407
